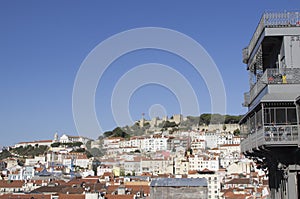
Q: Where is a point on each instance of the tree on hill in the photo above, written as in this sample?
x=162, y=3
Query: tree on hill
x=168, y=124
x=55, y=144
x=208, y=118
x=205, y=119
x=5, y=154
x=117, y=132
x=232, y=119
x=236, y=132
x=217, y=119
x=68, y=144
x=30, y=151
x=108, y=134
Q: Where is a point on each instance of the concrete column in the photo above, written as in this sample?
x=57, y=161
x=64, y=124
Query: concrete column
x=292, y=185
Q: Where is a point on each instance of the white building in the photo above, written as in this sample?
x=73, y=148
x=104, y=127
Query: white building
x=24, y=173
x=35, y=160
x=82, y=162
x=216, y=138
x=157, y=166
x=103, y=169
x=34, y=143
x=132, y=167
x=198, y=145
x=71, y=139
x=211, y=139
x=181, y=165
x=201, y=162
x=154, y=143
x=112, y=142
x=213, y=182
x=230, y=148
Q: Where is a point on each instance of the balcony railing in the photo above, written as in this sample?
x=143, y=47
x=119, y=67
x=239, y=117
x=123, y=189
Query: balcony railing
x=273, y=20
x=273, y=76
x=271, y=135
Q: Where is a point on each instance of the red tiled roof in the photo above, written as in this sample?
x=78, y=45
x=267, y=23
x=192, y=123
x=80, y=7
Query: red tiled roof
x=11, y=184
x=44, y=141
x=82, y=180
x=71, y=196
x=231, y=195
x=60, y=189
x=39, y=169
x=108, y=174
x=132, y=188
x=239, y=181
x=229, y=145
x=109, y=196
x=192, y=172
x=37, y=141
x=25, y=196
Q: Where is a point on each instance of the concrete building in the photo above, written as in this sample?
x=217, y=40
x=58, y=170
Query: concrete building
x=178, y=188
x=174, y=142
x=198, y=145
x=157, y=166
x=132, y=167
x=201, y=162
x=70, y=138
x=34, y=143
x=154, y=143
x=270, y=128
x=213, y=182
x=181, y=166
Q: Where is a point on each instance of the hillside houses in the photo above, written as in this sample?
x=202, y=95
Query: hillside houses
x=129, y=163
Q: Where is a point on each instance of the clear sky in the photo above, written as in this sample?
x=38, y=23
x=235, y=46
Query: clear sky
x=43, y=44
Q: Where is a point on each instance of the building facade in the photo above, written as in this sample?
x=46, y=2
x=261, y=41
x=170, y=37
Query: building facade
x=270, y=128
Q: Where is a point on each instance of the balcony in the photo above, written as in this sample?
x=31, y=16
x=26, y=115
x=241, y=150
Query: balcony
x=279, y=135
x=272, y=76
x=273, y=20
x=246, y=99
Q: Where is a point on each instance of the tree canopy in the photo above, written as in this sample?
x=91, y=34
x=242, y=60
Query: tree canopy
x=117, y=132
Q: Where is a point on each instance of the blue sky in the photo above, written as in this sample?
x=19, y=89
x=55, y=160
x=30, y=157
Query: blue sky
x=43, y=43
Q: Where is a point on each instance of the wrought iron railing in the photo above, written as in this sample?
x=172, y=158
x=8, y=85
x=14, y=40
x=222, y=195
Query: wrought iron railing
x=273, y=76
x=281, y=133
x=272, y=20
x=271, y=135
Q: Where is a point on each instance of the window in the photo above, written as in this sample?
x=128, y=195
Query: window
x=291, y=116
x=259, y=119
x=252, y=123
x=280, y=115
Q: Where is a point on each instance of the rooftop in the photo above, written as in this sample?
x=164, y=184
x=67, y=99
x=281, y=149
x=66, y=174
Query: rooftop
x=179, y=182
x=271, y=20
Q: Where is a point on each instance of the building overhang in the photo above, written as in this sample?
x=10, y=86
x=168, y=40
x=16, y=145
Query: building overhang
x=273, y=98
x=298, y=100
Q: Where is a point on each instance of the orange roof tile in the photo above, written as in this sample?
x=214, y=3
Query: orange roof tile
x=192, y=172
x=109, y=196
x=11, y=184
x=71, y=196
x=25, y=196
